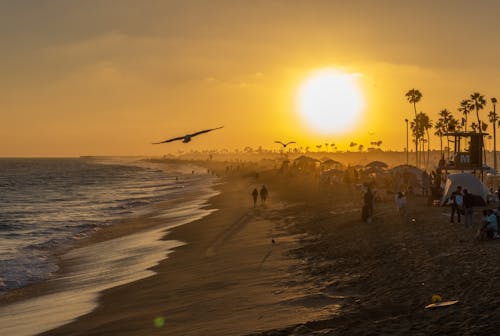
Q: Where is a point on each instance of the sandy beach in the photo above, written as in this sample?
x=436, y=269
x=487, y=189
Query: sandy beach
x=327, y=273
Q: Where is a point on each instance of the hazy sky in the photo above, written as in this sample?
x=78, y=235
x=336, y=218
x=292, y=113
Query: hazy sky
x=110, y=77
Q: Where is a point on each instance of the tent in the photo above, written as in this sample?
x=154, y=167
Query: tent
x=406, y=176
x=377, y=164
x=305, y=162
x=327, y=164
x=469, y=182
x=304, y=158
x=407, y=169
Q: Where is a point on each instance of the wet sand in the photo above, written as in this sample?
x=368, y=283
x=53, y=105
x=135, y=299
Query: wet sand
x=326, y=274
x=229, y=278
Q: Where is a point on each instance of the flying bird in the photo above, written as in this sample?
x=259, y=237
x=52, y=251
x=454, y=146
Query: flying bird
x=285, y=144
x=186, y=138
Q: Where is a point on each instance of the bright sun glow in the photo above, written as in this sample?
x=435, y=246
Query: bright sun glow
x=330, y=101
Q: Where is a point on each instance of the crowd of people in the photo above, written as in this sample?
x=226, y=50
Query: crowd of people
x=462, y=204
x=461, y=201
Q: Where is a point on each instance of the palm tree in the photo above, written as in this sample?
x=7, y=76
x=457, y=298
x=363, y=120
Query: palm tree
x=449, y=123
x=439, y=126
x=453, y=125
x=445, y=117
x=492, y=118
x=423, y=123
x=413, y=96
x=417, y=132
x=465, y=108
x=474, y=127
x=478, y=103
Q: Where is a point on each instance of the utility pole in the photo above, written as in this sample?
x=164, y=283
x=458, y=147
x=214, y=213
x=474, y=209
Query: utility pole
x=406, y=120
x=494, y=102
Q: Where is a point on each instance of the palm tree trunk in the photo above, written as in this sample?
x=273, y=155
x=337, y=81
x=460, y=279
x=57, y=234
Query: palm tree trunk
x=428, y=149
x=416, y=135
x=421, y=158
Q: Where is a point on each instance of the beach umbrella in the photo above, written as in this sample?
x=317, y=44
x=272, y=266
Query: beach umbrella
x=377, y=164
x=304, y=158
x=406, y=168
x=331, y=163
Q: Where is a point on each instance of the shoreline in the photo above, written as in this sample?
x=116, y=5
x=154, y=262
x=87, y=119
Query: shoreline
x=85, y=267
x=228, y=279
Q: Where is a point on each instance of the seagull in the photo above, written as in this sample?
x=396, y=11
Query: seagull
x=186, y=138
x=285, y=144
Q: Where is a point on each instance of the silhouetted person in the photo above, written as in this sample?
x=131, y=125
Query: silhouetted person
x=441, y=163
x=401, y=203
x=489, y=229
x=255, y=194
x=468, y=208
x=457, y=201
x=263, y=194
x=425, y=183
x=367, y=212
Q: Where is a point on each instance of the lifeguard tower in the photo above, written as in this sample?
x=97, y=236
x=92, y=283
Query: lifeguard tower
x=467, y=154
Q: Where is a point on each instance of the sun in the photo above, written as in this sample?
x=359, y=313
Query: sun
x=330, y=101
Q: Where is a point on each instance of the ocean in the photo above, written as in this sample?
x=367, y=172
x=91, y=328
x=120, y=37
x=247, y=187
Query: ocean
x=46, y=205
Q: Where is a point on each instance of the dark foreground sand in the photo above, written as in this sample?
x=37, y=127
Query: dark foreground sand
x=327, y=274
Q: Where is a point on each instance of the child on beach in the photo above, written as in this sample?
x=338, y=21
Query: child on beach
x=401, y=203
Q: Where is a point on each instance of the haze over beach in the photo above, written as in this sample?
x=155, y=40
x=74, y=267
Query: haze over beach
x=249, y=167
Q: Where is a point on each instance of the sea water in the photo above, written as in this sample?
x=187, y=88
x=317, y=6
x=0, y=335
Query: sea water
x=48, y=204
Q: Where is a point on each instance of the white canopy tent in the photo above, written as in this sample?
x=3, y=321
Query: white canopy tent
x=466, y=181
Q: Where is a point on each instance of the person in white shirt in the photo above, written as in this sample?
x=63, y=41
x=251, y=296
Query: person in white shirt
x=401, y=202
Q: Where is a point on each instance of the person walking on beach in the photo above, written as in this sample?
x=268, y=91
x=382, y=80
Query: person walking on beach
x=263, y=194
x=468, y=211
x=401, y=203
x=457, y=201
x=367, y=212
x=255, y=194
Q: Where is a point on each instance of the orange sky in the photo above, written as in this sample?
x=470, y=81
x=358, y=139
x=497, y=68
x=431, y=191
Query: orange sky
x=109, y=78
